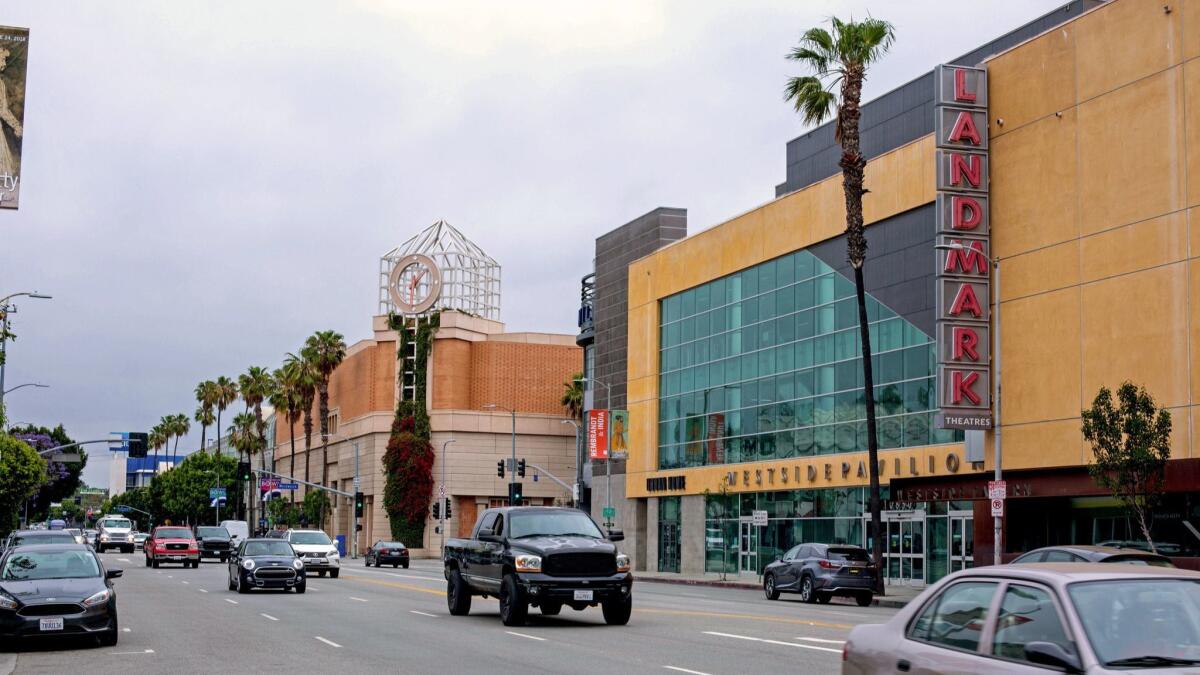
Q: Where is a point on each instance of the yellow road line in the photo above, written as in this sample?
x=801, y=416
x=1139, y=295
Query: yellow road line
x=752, y=617
x=394, y=584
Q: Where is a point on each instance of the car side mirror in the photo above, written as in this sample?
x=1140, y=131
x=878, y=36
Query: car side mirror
x=1053, y=655
x=493, y=538
x=616, y=535
x=778, y=559
x=113, y=574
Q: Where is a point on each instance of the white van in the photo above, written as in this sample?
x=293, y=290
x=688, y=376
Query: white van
x=239, y=531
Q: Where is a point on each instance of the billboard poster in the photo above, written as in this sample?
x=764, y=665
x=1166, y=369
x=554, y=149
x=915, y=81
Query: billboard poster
x=619, y=434
x=14, y=51
x=597, y=434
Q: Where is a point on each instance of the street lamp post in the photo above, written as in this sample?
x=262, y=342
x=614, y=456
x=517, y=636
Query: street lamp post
x=5, y=310
x=441, y=494
x=27, y=384
x=577, y=492
x=997, y=529
x=493, y=406
x=608, y=460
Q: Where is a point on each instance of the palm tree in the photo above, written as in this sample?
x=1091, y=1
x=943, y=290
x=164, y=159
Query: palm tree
x=840, y=59
x=158, y=439
x=257, y=385
x=206, y=395
x=286, y=401
x=572, y=398
x=325, y=349
x=180, y=426
x=303, y=376
x=226, y=392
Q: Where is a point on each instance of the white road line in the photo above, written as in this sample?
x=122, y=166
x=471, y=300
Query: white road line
x=144, y=651
x=232, y=602
x=832, y=642
x=413, y=611
x=268, y=616
x=203, y=591
x=331, y=643
x=125, y=630
x=531, y=637
x=187, y=582
x=358, y=599
x=123, y=559
x=685, y=670
x=170, y=576
x=773, y=642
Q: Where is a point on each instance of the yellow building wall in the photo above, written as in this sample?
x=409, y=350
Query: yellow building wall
x=1095, y=204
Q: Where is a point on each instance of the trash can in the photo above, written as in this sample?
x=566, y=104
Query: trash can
x=341, y=545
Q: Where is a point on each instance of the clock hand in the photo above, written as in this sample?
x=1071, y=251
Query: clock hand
x=412, y=286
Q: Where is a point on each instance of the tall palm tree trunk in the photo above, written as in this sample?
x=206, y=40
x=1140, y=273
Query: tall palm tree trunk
x=323, y=394
x=292, y=468
x=218, y=432
x=203, y=436
x=307, y=446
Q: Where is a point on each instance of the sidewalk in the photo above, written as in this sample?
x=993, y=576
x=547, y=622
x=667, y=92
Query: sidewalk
x=897, y=596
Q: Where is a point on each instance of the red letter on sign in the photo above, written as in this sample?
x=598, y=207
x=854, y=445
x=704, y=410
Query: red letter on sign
x=963, y=261
x=966, y=213
x=966, y=166
x=960, y=87
x=964, y=127
x=965, y=301
x=960, y=387
x=965, y=340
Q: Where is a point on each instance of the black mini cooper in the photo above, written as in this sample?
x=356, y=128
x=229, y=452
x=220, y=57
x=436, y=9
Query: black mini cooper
x=265, y=563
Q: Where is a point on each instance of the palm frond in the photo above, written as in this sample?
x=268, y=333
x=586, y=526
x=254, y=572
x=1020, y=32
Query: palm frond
x=810, y=98
x=873, y=38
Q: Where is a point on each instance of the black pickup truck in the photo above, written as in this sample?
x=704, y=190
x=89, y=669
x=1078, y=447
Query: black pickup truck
x=541, y=556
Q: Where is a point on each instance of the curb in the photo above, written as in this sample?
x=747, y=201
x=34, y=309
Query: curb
x=889, y=602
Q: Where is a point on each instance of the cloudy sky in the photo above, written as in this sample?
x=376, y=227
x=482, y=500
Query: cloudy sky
x=207, y=183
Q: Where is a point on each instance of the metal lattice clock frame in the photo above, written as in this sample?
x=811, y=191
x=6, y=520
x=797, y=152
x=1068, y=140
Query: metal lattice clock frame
x=439, y=269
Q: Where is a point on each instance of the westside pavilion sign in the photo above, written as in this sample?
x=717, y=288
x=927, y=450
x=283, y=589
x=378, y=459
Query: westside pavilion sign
x=963, y=254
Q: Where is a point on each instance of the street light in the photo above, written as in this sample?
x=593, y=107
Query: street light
x=608, y=460
x=27, y=384
x=995, y=264
x=441, y=495
x=577, y=493
x=493, y=406
x=5, y=310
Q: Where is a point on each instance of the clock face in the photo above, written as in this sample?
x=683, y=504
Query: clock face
x=414, y=284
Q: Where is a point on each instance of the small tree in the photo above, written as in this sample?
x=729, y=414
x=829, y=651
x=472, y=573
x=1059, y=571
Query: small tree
x=1131, y=444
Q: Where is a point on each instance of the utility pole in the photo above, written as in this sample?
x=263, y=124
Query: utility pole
x=513, y=466
x=608, y=460
x=577, y=491
x=357, y=489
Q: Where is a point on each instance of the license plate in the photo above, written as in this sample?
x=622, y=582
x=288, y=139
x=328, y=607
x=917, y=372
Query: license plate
x=583, y=595
x=176, y=557
x=51, y=624
x=854, y=571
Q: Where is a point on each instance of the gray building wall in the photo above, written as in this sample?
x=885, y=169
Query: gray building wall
x=903, y=114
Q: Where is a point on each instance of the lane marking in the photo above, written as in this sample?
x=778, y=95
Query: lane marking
x=832, y=642
x=268, y=616
x=170, y=577
x=123, y=559
x=187, y=582
x=413, y=611
x=753, y=617
x=203, y=591
x=531, y=637
x=772, y=642
x=331, y=643
x=125, y=630
x=685, y=670
x=144, y=651
x=232, y=602
x=395, y=584
x=358, y=599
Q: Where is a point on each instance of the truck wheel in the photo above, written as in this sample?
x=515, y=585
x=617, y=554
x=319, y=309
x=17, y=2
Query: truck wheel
x=551, y=608
x=513, y=606
x=616, y=612
x=458, y=596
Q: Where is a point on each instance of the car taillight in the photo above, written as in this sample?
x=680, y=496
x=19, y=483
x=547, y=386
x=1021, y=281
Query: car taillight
x=825, y=564
x=845, y=652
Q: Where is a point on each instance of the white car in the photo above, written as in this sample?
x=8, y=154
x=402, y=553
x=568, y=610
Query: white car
x=319, y=554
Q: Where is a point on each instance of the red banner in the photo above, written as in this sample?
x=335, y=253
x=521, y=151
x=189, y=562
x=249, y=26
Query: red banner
x=597, y=434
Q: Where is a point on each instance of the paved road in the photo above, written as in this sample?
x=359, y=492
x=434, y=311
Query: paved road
x=385, y=620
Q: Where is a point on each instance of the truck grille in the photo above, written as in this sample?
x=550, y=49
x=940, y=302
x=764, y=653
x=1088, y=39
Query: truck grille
x=177, y=547
x=580, y=564
x=54, y=609
x=216, y=545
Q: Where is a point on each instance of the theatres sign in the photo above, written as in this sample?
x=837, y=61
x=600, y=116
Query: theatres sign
x=964, y=269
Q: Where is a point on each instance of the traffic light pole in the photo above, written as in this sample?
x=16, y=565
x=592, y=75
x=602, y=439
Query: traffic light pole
x=315, y=486
x=441, y=495
x=357, y=489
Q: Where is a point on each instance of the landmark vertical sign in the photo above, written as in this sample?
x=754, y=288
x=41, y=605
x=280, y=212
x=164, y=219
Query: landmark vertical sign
x=964, y=270
x=14, y=52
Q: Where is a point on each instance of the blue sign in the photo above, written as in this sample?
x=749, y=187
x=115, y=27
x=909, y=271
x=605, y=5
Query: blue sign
x=123, y=509
x=216, y=492
x=289, y=486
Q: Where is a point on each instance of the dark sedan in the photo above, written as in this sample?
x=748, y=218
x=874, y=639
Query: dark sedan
x=391, y=553
x=51, y=590
x=266, y=563
x=820, y=571
x=28, y=537
x=1104, y=554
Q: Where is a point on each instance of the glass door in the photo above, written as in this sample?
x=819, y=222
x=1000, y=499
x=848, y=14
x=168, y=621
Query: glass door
x=903, y=546
x=747, y=547
x=668, y=547
x=962, y=540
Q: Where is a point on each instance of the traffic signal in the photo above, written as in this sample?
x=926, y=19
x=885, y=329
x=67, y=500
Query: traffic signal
x=515, y=494
x=138, y=442
x=500, y=469
x=243, y=471
x=437, y=513
x=358, y=504
x=447, y=508
x=521, y=467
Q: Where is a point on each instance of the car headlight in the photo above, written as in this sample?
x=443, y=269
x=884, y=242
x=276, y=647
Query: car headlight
x=7, y=601
x=529, y=563
x=248, y=564
x=295, y=563
x=98, y=598
x=622, y=562
x=104, y=537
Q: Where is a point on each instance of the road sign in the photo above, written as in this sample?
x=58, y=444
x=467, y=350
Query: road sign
x=123, y=509
x=214, y=493
x=760, y=518
x=262, y=522
x=610, y=512
x=288, y=486
x=997, y=489
x=997, y=507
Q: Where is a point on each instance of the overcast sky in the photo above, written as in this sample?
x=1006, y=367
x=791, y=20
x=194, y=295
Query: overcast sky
x=207, y=183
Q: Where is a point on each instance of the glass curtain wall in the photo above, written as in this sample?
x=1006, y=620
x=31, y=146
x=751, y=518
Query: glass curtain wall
x=766, y=364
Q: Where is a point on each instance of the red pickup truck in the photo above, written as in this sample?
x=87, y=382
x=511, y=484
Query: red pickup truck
x=171, y=544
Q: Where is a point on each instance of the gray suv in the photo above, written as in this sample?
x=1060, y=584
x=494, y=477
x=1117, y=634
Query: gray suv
x=820, y=571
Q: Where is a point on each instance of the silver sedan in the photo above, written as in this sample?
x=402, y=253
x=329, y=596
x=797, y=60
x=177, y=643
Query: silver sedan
x=1072, y=617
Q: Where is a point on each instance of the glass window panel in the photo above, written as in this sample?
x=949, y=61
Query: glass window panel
x=733, y=370
x=804, y=265
x=701, y=377
x=846, y=313
x=891, y=367
x=805, y=383
x=825, y=440
x=825, y=319
x=785, y=270
x=702, y=298
x=766, y=446
x=1027, y=615
x=806, y=324
x=848, y=345
x=689, y=303
x=846, y=407
x=702, y=355
x=785, y=358
x=716, y=347
x=802, y=441
x=823, y=409
x=687, y=329
x=872, y=310
x=687, y=380
x=885, y=312
x=914, y=336
x=734, y=314
x=942, y=435
x=749, y=311
x=823, y=349
x=733, y=423
x=843, y=287
x=766, y=361
x=749, y=449
x=749, y=339
x=960, y=616
x=826, y=380
x=750, y=420
x=670, y=359
x=766, y=307
x=916, y=430
x=804, y=412
x=749, y=365
x=749, y=393
x=804, y=353
x=847, y=375
x=749, y=282
x=719, y=320
x=891, y=334
x=766, y=333
x=918, y=395
x=716, y=374
x=890, y=432
x=672, y=335
x=847, y=437
x=766, y=276
x=889, y=400
x=670, y=308
x=917, y=362
x=733, y=343
x=785, y=329
x=785, y=301
x=825, y=289
x=785, y=385
x=805, y=294
x=703, y=323
x=733, y=288
x=786, y=412
x=687, y=354
x=766, y=418
x=766, y=390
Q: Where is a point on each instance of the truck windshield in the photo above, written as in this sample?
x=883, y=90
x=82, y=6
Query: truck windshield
x=116, y=522
x=212, y=532
x=552, y=524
